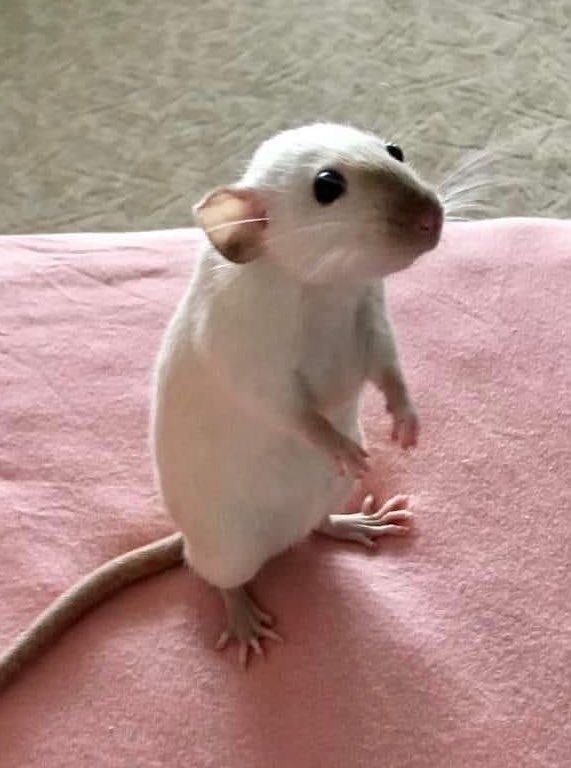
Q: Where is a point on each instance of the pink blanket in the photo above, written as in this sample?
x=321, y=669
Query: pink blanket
x=451, y=649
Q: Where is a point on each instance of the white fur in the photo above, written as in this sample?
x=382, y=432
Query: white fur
x=235, y=471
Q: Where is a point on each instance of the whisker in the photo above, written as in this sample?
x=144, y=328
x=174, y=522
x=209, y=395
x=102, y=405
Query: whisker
x=303, y=228
x=232, y=223
x=326, y=262
x=474, y=208
x=464, y=203
x=454, y=192
x=477, y=160
x=225, y=266
x=309, y=228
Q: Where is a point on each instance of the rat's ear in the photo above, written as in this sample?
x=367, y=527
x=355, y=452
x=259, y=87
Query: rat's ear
x=233, y=218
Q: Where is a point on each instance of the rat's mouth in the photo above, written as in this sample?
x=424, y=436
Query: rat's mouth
x=422, y=231
x=429, y=225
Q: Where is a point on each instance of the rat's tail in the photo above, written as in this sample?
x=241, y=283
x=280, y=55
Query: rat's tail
x=86, y=594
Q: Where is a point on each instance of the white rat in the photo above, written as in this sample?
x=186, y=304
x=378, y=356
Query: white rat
x=256, y=410
x=255, y=415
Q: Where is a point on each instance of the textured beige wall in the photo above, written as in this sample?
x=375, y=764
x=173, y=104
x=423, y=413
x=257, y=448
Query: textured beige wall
x=118, y=114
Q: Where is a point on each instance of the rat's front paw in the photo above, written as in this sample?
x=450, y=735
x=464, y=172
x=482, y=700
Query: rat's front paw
x=348, y=456
x=405, y=426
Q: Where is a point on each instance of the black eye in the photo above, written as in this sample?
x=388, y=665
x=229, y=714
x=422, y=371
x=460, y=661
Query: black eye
x=395, y=151
x=328, y=186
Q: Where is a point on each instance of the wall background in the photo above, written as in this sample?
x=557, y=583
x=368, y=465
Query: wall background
x=119, y=114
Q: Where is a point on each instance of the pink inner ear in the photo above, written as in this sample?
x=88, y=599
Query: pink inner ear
x=225, y=215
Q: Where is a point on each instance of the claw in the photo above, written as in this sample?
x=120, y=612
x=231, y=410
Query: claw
x=405, y=427
x=349, y=457
x=271, y=635
x=393, y=530
x=264, y=618
x=255, y=643
x=368, y=504
x=222, y=641
x=396, y=504
x=400, y=517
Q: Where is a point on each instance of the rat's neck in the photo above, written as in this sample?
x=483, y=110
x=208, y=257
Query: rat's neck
x=269, y=289
x=266, y=270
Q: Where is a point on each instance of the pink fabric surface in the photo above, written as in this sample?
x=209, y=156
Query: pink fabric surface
x=452, y=648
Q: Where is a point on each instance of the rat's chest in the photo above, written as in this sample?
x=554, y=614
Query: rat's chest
x=332, y=353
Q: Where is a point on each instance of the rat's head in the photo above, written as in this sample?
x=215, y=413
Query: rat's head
x=328, y=203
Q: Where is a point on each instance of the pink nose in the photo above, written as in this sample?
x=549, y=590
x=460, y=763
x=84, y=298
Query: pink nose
x=430, y=221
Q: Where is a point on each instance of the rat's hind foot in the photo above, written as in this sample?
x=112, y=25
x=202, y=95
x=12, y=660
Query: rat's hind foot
x=364, y=527
x=246, y=623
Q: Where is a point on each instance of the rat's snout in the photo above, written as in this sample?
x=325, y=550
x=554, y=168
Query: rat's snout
x=429, y=221
x=415, y=212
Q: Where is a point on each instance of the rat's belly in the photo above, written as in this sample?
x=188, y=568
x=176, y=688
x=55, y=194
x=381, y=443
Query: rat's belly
x=242, y=492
